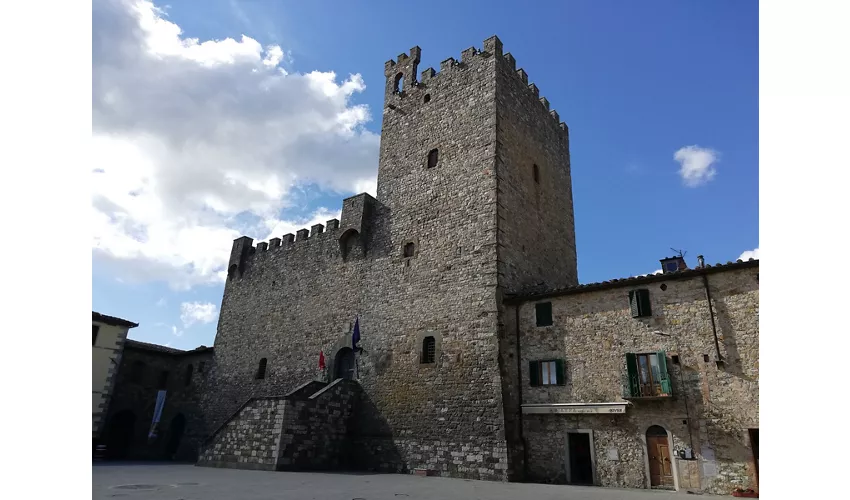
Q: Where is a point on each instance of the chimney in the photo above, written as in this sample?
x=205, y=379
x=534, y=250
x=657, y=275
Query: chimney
x=673, y=264
x=701, y=261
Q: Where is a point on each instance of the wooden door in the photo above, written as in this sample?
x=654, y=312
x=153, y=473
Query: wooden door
x=660, y=464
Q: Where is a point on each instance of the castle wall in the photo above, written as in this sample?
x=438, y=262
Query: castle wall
x=287, y=302
x=712, y=408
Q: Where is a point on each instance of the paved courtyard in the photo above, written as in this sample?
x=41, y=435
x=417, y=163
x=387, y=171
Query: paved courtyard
x=187, y=482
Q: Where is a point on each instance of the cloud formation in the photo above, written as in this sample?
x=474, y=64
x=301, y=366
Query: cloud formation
x=750, y=254
x=696, y=165
x=198, y=142
x=196, y=312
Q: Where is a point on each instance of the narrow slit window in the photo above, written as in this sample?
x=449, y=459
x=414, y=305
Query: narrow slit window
x=535, y=172
x=189, y=370
x=433, y=157
x=261, y=370
x=409, y=250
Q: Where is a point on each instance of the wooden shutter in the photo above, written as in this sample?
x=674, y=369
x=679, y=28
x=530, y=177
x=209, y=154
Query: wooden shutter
x=662, y=369
x=633, y=304
x=534, y=373
x=559, y=371
x=632, y=369
x=643, y=303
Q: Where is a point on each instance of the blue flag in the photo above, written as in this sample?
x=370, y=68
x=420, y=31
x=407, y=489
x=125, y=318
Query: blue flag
x=355, y=335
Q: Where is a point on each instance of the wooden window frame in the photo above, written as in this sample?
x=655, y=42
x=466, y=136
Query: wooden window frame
x=639, y=387
x=536, y=372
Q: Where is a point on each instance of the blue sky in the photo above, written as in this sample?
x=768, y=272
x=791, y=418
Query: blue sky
x=192, y=148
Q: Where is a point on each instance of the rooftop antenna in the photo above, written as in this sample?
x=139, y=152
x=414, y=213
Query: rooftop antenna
x=679, y=253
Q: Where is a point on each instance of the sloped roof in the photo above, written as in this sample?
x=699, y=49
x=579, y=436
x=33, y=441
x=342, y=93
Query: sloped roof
x=112, y=320
x=634, y=280
x=146, y=346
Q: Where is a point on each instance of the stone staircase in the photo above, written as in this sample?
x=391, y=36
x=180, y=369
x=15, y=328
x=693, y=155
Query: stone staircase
x=302, y=430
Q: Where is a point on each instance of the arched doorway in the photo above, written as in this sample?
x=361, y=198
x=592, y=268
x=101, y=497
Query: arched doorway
x=122, y=428
x=175, y=434
x=344, y=364
x=660, y=460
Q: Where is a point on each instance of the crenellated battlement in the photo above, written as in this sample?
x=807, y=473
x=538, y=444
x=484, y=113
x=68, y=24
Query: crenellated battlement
x=356, y=215
x=406, y=63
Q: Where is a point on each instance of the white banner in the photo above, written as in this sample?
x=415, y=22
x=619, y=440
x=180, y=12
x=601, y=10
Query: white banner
x=157, y=413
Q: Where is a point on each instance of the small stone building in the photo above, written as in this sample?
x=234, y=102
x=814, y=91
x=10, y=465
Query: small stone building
x=145, y=370
x=643, y=382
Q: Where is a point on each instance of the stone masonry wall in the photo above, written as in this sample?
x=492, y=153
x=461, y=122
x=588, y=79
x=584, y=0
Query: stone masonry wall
x=713, y=405
x=536, y=233
x=250, y=439
x=291, y=300
x=138, y=398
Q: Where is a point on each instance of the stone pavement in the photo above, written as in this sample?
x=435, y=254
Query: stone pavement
x=169, y=481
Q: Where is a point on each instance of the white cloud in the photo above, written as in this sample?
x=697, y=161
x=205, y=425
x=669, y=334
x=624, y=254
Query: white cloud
x=161, y=302
x=657, y=271
x=176, y=332
x=696, y=164
x=750, y=254
x=197, y=312
x=192, y=138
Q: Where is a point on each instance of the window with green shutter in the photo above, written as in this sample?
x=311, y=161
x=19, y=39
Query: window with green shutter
x=543, y=311
x=647, y=375
x=639, y=303
x=549, y=372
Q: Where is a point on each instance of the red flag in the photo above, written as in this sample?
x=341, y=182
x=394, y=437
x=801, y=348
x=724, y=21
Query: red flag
x=321, y=360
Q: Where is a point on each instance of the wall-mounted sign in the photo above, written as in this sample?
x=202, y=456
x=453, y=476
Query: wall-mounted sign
x=574, y=408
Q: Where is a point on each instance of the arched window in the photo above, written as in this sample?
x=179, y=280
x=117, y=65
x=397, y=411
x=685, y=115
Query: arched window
x=398, y=84
x=189, y=370
x=429, y=349
x=261, y=370
x=536, y=173
x=656, y=430
x=433, y=156
x=409, y=250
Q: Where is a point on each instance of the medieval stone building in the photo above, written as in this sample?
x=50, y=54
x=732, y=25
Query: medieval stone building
x=441, y=274
x=145, y=371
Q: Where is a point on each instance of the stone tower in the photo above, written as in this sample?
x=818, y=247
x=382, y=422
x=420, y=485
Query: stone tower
x=474, y=201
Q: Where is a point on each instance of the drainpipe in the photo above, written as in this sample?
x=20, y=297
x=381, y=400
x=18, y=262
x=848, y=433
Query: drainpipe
x=519, y=395
x=710, y=309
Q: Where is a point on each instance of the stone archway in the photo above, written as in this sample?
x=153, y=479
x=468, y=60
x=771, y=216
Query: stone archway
x=345, y=364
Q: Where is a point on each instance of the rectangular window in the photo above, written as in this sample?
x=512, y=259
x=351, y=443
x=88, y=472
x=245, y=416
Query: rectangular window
x=549, y=372
x=639, y=303
x=94, y=330
x=543, y=311
x=648, y=376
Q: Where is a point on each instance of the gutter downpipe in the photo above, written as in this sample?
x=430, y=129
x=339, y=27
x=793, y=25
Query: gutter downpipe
x=711, y=312
x=519, y=395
